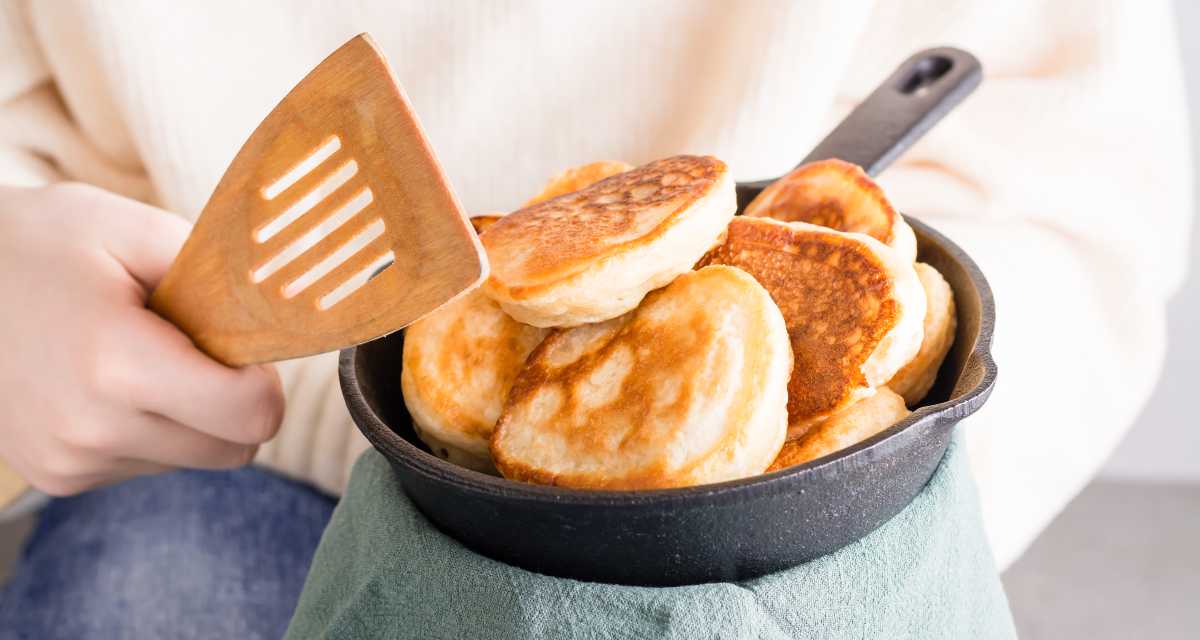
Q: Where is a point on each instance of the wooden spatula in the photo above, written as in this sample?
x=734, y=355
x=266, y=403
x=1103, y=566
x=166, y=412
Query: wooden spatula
x=338, y=184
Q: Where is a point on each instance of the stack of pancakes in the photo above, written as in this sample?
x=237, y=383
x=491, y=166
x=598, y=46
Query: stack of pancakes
x=634, y=334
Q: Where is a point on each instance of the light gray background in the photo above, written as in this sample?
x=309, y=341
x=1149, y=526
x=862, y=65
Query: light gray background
x=1164, y=446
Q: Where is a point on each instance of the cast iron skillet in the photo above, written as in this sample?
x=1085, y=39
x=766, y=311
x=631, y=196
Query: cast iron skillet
x=732, y=530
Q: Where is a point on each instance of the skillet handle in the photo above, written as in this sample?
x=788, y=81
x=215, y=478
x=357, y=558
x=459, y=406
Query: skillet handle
x=914, y=98
x=922, y=90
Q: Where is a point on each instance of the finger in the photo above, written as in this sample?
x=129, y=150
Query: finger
x=126, y=469
x=159, y=441
x=131, y=468
x=167, y=375
x=89, y=472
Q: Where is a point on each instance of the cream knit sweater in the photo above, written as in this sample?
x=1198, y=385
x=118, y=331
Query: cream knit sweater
x=1066, y=175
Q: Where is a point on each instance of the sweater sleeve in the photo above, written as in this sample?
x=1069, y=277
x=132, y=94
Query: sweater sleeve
x=1067, y=177
x=39, y=142
x=24, y=92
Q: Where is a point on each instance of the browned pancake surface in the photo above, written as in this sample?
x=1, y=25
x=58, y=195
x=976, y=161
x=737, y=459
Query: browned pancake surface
x=557, y=238
x=645, y=399
x=849, y=426
x=835, y=296
x=831, y=193
x=577, y=178
x=463, y=359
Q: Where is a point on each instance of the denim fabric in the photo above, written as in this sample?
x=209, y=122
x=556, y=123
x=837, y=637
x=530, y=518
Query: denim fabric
x=190, y=554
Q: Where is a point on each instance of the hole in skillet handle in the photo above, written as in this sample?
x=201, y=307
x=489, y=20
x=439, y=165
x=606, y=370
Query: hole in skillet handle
x=925, y=72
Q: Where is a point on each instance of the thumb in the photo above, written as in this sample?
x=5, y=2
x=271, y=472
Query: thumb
x=144, y=239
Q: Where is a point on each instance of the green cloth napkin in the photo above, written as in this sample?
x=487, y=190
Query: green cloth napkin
x=383, y=571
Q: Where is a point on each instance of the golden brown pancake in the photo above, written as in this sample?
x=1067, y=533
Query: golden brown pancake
x=941, y=321
x=591, y=255
x=856, y=423
x=852, y=307
x=839, y=195
x=577, y=178
x=689, y=388
x=459, y=363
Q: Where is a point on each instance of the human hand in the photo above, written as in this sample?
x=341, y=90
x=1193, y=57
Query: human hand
x=95, y=387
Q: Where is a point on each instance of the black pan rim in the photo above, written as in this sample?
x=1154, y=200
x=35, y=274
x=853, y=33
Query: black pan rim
x=399, y=450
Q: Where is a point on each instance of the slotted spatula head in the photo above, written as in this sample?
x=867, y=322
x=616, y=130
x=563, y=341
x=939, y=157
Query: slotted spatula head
x=335, y=184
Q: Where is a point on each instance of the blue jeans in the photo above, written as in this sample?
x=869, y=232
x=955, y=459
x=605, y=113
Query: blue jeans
x=190, y=554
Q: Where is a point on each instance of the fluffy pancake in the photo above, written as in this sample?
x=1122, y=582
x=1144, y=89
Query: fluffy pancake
x=577, y=178
x=689, y=388
x=941, y=321
x=839, y=195
x=853, y=308
x=856, y=423
x=459, y=363
x=591, y=255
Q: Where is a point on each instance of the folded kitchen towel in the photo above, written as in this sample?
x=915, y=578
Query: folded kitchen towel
x=382, y=570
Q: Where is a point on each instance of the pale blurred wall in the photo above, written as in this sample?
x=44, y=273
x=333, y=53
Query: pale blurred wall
x=1165, y=443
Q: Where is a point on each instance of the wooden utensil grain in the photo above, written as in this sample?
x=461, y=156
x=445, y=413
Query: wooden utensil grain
x=333, y=225
x=340, y=170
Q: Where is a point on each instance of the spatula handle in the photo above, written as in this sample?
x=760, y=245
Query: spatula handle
x=919, y=93
x=173, y=302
